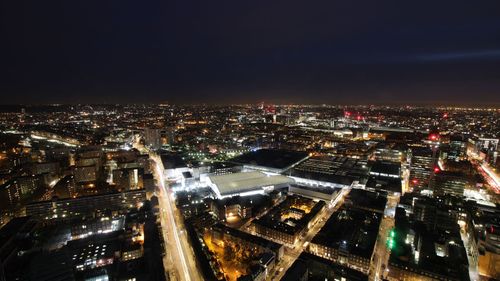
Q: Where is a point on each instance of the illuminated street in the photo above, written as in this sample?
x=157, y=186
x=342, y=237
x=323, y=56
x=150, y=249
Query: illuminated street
x=491, y=177
x=179, y=259
x=382, y=252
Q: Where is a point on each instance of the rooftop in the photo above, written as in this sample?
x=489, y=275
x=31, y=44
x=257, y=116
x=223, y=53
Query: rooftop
x=320, y=189
x=385, y=168
x=384, y=184
x=237, y=183
x=13, y=228
x=172, y=161
x=271, y=158
x=320, y=269
x=364, y=199
x=273, y=218
x=257, y=240
x=441, y=251
x=338, y=169
x=351, y=230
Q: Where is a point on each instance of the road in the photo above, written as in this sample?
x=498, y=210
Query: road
x=490, y=176
x=179, y=260
x=381, y=253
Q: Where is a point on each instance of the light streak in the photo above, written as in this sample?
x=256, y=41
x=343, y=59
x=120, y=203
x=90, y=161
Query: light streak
x=492, y=175
x=172, y=222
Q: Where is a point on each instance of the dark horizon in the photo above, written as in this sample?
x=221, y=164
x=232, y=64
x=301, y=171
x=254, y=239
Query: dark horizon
x=225, y=53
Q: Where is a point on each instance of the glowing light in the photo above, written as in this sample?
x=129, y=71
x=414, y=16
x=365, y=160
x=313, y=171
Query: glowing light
x=433, y=137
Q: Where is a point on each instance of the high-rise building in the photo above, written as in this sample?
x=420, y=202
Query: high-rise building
x=450, y=183
x=152, y=138
x=86, y=206
x=422, y=163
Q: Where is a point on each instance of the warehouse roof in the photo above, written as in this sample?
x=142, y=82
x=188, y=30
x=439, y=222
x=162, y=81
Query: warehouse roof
x=271, y=158
x=237, y=183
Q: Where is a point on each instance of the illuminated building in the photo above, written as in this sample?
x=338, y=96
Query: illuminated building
x=19, y=188
x=391, y=153
x=310, y=267
x=288, y=221
x=489, y=252
x=85, y=173
x=326, y=194
x=221, y=233
x=239, y=207
x=426, y=244
x=456, y=150
x=152, y=138
x=483, y=224
x=128, y=179
x=46, y=167
x=96, y=226
x=93, y=252
x=85, y=206
x=246, y=183
x=451, y=183
x=336, y=171
x=224, y=168
x=422, y=163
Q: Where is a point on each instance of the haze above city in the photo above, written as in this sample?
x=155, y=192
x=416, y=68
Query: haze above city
x=371, y=52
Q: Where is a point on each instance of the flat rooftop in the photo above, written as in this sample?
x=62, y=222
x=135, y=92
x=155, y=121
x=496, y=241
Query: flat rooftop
x=236, y=183
x=351, y=230
x=271, y=158
x=318, y=268
x=449, y=263
x=385, y=184
x=272, y=219
x=13, y=227
x=257, y=240
x=320, y=189
x=336, y=169
x=364, y=199
x=172, y=161
x=385, y=167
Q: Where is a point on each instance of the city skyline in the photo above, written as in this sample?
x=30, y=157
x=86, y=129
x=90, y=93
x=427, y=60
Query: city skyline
x=157, y=192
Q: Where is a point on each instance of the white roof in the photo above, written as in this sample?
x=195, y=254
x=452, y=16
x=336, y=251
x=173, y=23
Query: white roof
x=246, y=181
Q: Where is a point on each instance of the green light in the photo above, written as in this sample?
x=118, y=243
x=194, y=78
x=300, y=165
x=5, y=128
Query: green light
x=392, y=233
x=390, y=244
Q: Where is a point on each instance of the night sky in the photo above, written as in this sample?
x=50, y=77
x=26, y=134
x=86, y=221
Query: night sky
x=119, y=51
